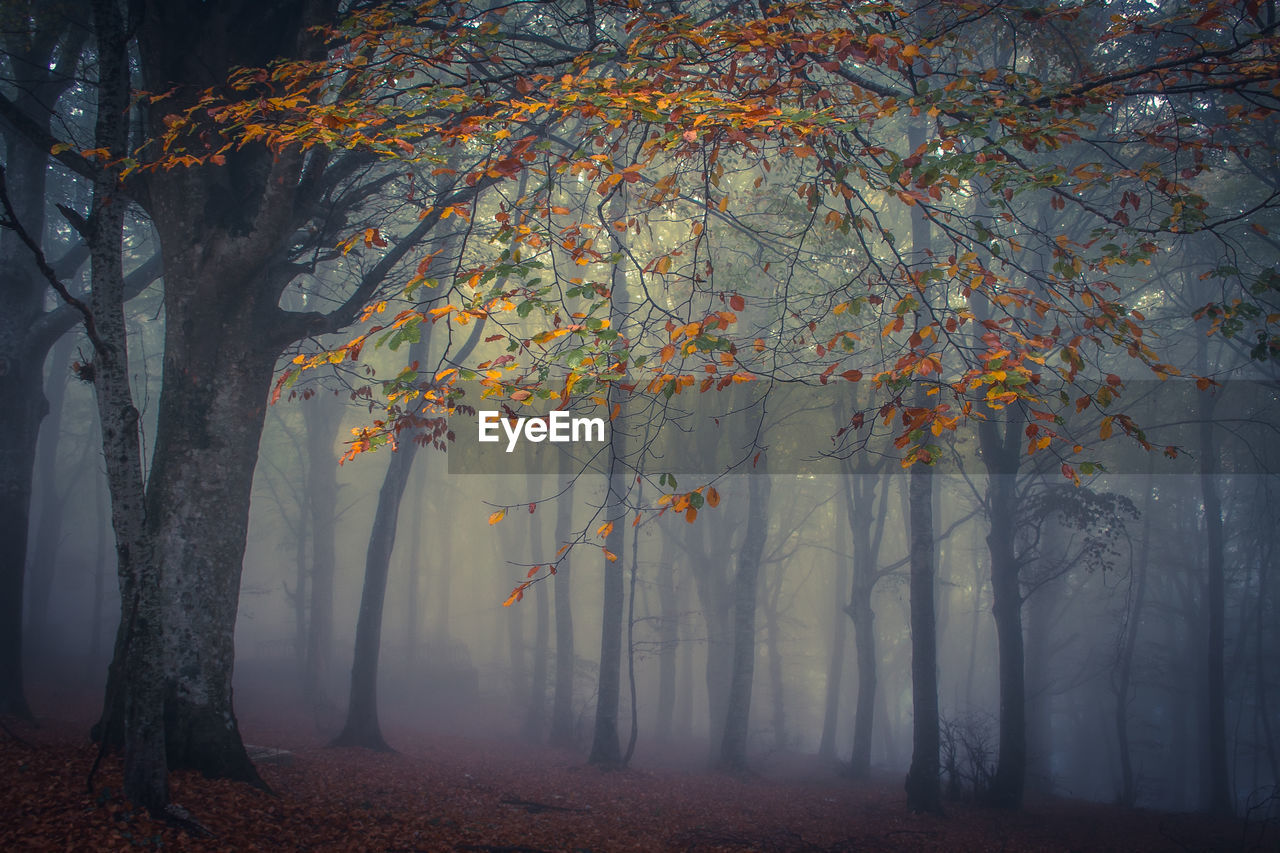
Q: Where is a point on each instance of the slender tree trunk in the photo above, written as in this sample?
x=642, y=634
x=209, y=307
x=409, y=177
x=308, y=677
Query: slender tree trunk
x=536, y=714
x=668, y=639
x=733, y=749
x=321, y=422
x=362, y=727
x=413, y=600
x=773, y=641
x=606, y=750
x=140, y=658
x=562, y=701
x=1001, y=456
x=859, y=500
x=839, y=639
x=44, y=554
x=924, y=792
x=1129, y=645
x=1220, y=801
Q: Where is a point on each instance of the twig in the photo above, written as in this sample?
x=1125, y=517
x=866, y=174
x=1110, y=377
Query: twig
x=13, y=224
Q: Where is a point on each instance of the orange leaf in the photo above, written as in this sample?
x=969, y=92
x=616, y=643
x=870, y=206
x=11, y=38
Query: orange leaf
x=713, y=497
x=605, y=529
x=495, y=517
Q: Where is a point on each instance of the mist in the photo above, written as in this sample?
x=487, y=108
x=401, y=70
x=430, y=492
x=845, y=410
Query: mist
x=601, y=426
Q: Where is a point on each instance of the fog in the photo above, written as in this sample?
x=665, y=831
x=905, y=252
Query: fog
x=613, y=425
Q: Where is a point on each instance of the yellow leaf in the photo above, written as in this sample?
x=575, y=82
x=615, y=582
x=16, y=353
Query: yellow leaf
x=495, y=517
x=605, y=529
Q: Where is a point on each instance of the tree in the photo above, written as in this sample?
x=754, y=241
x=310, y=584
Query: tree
x=42, y=48
x=709, y=99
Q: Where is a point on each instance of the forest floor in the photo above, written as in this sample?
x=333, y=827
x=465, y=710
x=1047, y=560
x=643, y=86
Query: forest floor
x=468, y=793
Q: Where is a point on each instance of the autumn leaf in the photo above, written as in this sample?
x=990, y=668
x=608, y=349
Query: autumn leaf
x=497, y=516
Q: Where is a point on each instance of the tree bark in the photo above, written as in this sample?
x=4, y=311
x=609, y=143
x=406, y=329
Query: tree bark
x=1220, y=800
x=733, y=748
x=1001, y=457
x=923, y=786
x=536, y=712
x=839, y=640
x=562, y=701
x=321, y=424
x=668, y=639
x=1128, y=648
x=606, y=750
x=140, y=682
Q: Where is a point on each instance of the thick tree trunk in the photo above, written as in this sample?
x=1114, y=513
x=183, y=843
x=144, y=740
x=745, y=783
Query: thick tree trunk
x=562, y=701
x=212, y=411
x=733, y=748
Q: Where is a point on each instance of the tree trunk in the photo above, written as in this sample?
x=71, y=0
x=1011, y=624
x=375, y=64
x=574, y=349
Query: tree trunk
x=1215, y=601
x=362, y=727
x=44, y=551
x=859, y=494
x=839, y=639
x=321, y=422
x=733, y=748
x=536, y=713
x=1128, y=647
x=606, y=750
x=924, y=792
x=211, y=415
x=139, y=664
x=773, y=642
x=562, y=702
x=668, y=639
x=1001, y=457
x=39, y=72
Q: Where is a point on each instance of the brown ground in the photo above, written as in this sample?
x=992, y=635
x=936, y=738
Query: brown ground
x=442, y=793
